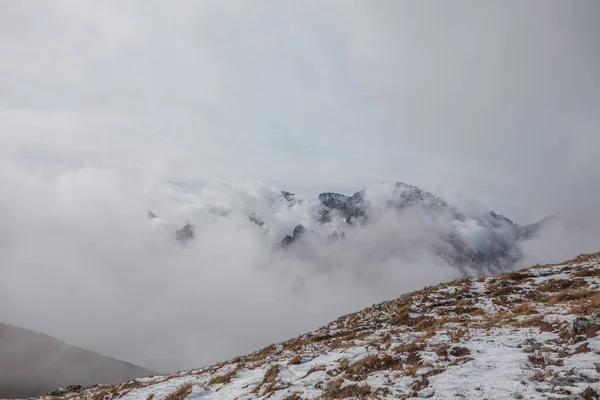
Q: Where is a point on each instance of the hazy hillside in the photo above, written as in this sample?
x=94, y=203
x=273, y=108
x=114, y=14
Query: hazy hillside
x=530, y=334
x=32, y=364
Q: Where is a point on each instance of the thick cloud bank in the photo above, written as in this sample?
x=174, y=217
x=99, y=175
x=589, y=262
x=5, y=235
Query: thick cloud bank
x=82, y=260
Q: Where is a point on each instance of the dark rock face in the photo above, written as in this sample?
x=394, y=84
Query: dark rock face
x=287, y=240
x=32, y=364
x=353, y=208
x=409, y=195
x=256, y=219
x=299, y=232
x=151, y=215
x=349, y=207
x=288, y=196
x=185, y=234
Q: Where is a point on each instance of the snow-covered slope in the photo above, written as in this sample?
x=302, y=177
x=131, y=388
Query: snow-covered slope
x=530, y=334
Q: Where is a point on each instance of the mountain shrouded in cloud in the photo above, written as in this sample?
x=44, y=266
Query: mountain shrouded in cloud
x=384, y=219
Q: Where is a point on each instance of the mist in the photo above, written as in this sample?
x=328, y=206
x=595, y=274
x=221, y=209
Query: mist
x=202, y=113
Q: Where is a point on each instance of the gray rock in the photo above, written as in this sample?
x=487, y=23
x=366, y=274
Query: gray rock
x=186, y=233
x=580, y=325
x=527, y=342
x=579, y=339
x=58, y=392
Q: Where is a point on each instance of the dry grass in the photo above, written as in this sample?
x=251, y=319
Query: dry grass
x=428, y=324
x=516, y=276
x=295, y=360
x=442, y=350
x=458, y=334
x=314, y=369
x=587, y=273
x=344, y=363
x=537, y=360
x=413, y=358
x=334, y=390
x=150, y=396
x=583, y=348
x=410, y=347
x=570, y=296
x=269, y=379
x=458, y=351
x=537, y=322
x=372, y=363
x=587, y=305
x=523, y=309
x=225, y=378
x=592, y=330
x=560, y=285
x=589, y=394
x=181, y=393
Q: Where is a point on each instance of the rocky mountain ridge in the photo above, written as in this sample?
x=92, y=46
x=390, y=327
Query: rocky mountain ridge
x=486, y=242
x=502, y=236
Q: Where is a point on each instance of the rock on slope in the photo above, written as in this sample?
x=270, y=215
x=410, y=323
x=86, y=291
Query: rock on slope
x=530, y=334
x=32, y=363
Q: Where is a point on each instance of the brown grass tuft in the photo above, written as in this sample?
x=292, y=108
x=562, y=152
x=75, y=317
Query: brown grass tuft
x=372, y=363
x=587, y=272
x=295, y=360
x=181, y=393
x=459, y=351
x=334, y=390
x=225, y=378
x=458, y=334
x=523, y=309
x=559, y=285
x=570, y=296
x=269, y=379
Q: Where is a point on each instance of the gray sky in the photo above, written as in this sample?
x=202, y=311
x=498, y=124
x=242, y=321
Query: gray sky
x=499, y=99
x=102, y=102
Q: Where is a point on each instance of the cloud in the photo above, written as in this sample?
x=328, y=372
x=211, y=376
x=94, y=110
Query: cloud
x=82, y=261
x=106, y=107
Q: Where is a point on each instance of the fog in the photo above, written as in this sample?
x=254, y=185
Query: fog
x=201, y=113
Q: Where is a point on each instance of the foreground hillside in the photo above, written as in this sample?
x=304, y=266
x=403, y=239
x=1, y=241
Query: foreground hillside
x=32, y=363
x=531, y=334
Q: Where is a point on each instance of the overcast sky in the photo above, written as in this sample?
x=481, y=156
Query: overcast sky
x=102, y=102
x=492, y=98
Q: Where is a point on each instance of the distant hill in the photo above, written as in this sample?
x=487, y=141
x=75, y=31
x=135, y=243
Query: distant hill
x=32, y=364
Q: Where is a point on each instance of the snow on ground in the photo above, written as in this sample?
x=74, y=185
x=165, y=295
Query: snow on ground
x=530, y=334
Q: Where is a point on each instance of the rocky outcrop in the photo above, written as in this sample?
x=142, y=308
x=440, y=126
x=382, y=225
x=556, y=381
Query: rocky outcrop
x=186, y=233
x=297, y=234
